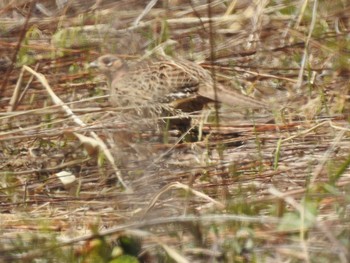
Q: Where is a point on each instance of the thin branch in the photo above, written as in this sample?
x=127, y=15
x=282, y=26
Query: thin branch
x=17, y=48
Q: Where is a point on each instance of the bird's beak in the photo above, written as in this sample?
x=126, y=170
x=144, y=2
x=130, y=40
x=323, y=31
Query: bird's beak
x=93, y=64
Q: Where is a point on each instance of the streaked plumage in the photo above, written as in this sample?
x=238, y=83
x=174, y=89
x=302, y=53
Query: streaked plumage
x=163, y=81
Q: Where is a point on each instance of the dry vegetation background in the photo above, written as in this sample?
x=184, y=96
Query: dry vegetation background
x=80, y=182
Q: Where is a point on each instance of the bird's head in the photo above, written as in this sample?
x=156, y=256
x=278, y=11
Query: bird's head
x=108, y=65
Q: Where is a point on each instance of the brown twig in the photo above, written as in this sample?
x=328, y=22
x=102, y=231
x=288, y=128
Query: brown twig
x=18, y=46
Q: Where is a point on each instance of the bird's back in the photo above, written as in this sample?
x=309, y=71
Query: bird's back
x=155, y=80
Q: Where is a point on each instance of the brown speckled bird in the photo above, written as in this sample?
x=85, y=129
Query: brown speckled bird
x=164, y=81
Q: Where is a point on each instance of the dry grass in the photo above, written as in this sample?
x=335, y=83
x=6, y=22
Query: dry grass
x=79, y=179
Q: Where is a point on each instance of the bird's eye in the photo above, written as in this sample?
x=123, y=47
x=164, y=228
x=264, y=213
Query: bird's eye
x=108, y=61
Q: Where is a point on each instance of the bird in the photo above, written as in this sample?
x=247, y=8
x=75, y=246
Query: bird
x=165, y=80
